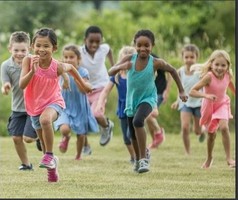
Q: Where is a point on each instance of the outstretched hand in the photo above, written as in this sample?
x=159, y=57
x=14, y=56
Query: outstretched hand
x=183, y=96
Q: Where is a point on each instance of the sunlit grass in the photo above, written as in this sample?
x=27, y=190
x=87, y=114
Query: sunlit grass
x=107, y=173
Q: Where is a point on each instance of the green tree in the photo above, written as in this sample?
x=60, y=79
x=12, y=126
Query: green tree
x=31, y=15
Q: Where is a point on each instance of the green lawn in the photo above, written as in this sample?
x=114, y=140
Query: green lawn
x=107, y=173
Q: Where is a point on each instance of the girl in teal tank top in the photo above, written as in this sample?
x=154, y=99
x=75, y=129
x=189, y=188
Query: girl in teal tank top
x=138, y=91
x=141, y=91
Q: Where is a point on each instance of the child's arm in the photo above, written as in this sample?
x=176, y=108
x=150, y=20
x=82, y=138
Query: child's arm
x=65, y=67
x=6, y=87
x=232, y=87
x=168, y=86
x=26, y=72
x=103, y=96
x=196, y=89
x=110, y=57
x=161, y=64
x=124, y=64
x=66, y=81
x=175, y=104
x=5, y=79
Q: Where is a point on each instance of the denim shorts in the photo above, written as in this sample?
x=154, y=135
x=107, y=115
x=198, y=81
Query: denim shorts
x=35, y=120
x=195, y=111
x=159, y=99
x=19, y=124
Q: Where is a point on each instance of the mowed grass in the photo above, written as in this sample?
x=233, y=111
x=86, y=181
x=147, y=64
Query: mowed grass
x=107, y=173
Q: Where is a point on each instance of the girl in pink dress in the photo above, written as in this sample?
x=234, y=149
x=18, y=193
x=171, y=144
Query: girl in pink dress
x=216, y=77
x=42, y=93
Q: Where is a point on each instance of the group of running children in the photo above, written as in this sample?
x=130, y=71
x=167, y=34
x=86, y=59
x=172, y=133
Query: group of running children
x=71, y=96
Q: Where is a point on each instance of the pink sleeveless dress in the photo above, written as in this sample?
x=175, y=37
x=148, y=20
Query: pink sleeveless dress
x=43, y=90
x=213, y=111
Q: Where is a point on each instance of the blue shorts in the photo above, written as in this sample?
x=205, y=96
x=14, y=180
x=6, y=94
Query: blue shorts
x=19, y=124
x=195, y=111
x=35, y=120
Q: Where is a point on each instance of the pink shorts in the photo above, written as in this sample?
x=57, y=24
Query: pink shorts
x=93, y=100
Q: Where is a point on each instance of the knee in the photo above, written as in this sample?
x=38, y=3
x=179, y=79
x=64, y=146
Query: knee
x=185, y=129
x=45, y=122
x=65, y=129
x=28, y=139
x=138, y=123
x=127, y=141
x=17, y=139
x=224, y=129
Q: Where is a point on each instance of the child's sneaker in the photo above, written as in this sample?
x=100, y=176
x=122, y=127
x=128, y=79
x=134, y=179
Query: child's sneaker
x=143, y=165
x=24, y=167
x=87, y=150
x=158, y=139
x=38, y=145
x=53, y=175
x=202, y=137
x=136, y=166
x=63, y=145
x=148, y=154
x=106, y=133
x=48, y=161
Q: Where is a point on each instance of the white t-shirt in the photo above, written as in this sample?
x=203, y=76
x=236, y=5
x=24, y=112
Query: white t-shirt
x=98, y=75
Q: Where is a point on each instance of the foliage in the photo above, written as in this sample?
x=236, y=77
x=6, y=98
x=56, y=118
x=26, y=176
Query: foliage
x=33, y=14
x=209, y=24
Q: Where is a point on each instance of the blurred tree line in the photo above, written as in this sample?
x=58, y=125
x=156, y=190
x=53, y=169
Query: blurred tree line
x=208, y=24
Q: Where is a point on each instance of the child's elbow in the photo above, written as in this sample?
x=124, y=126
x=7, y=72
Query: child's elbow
x=21, y=85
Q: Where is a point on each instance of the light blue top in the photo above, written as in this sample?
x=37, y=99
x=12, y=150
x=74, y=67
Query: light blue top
x=77, y=114
x=188, y=81
x=140, y=87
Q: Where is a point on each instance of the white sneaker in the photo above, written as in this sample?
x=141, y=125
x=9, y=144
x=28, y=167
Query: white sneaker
x=143, y=165
x=87, y=150
x=106, y=133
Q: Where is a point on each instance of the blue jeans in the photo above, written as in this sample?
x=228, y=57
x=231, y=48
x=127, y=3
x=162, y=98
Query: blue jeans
x=125, y=131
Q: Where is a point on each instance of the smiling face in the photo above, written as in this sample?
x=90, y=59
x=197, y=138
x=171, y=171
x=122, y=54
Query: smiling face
x=43, y=47
x=19, y=50
x=219, y=67
x=143, y=46
x=92, y=42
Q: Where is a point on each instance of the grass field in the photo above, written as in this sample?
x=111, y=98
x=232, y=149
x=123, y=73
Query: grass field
x=107, y=173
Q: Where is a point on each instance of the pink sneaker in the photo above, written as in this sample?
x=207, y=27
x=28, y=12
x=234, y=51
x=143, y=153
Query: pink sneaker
x=53, y=175
x=48, y=161
x=159, y=138
x=63, y=145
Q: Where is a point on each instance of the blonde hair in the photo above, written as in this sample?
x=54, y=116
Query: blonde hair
x=204, y=68
x=125, y=50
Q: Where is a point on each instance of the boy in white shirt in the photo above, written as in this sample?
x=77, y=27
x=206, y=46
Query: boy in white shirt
x=94, y=54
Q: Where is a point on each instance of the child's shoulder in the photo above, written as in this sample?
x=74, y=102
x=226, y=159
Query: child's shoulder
x=8, y=61
x=104, y=46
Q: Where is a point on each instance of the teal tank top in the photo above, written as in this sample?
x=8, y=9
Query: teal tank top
x=140, y=87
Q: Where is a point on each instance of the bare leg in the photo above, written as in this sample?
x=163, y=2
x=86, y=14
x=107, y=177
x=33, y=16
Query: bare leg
x=210, y=145
x=141, y=139
x=21, y=149
x=185, y=118
x=131, y=150
x=79, y=145
x=223, y=124
x=48, y=116
x=136, y=148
